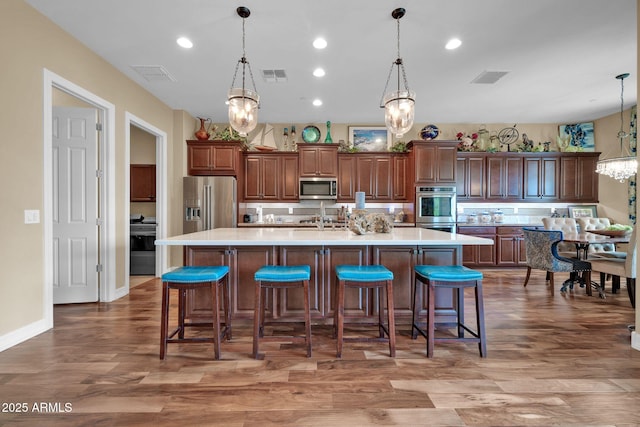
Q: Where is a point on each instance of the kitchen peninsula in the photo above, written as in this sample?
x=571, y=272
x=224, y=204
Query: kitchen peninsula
x=245, y=250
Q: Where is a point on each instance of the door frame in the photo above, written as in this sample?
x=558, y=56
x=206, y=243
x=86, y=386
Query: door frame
x=161, y=191
x=106, y=189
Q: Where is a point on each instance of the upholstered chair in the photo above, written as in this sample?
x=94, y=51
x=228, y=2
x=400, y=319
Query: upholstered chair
x=566, y=225
x=542, y=254
x=599, y=250
x=620, y=267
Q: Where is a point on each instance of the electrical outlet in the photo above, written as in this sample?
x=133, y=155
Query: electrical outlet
x=290, y=211
x=31, y=216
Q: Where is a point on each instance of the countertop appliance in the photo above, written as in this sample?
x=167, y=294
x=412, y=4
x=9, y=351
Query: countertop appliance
x=318, y=188
x=142, y=250
x=436, y=207
x=209, y=202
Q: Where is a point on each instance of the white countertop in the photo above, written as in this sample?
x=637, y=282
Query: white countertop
x=305, y=237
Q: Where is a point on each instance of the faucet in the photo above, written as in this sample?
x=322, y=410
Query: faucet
x=322, y=215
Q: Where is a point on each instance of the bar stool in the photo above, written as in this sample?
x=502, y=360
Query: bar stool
x=455, y=277
x=372, y=277
x=190, y=278
x=280, y=277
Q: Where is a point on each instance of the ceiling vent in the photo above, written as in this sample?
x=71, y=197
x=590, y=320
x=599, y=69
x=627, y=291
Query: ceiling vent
x=154, y=73
x=489, y=77
x=274, y=76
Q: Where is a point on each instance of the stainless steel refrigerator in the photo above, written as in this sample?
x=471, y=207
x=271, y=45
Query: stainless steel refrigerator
x=209, y=202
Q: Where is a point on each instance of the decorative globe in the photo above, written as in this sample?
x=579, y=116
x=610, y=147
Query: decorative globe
x=429, y=132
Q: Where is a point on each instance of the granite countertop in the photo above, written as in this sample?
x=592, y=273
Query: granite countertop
x=310, y=236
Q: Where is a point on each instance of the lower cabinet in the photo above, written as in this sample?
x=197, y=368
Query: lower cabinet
x=508, y=249
x=283, y=304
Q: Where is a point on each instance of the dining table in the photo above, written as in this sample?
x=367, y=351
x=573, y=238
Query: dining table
x=582, y=241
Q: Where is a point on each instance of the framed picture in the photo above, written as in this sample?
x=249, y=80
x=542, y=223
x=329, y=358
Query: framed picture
x=369, y=138
x=579, y=136
x=583, y=211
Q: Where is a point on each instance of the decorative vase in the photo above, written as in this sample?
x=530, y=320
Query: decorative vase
x=328, y=139
x=202, y=134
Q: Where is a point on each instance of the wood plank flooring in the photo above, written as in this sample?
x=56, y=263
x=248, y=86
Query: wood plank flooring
x=553, y=360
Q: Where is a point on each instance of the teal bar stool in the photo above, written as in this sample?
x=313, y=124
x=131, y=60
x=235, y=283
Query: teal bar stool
x=190, y=278
x=454, y=277
x=371, y=277
x=280, y=277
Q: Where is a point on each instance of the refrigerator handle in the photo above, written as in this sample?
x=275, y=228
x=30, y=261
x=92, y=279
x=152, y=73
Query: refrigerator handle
x=207, y=207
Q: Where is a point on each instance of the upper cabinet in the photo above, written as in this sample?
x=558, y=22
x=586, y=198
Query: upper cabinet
x=318, y=160
x=142, y=182
x=271, y=176
x=530, y=177
x=382, y=176
x=434, y=162
x=213, y=157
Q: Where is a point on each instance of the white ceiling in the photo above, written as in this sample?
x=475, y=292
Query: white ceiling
x=562, y=56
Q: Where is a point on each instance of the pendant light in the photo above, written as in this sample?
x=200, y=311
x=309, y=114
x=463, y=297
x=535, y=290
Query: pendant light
x=243, y=103
x=399, y=105
x=625, y=166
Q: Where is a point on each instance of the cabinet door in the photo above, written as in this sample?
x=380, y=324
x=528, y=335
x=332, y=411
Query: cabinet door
x=346, y=177
x=244, y=262
x=318, y=160
x=541, y=178
x=252, y=177
x=383, y=178
x=225, y=158
x=435, y=163
x=261, y=177
x=470, y=177
x=365, y=175
x=401, y=179
x=308, y=161
x=290, y=302
x=578, y=179
x=142, y=180
x=290, y=188
x=270, y=177
x=504, y=178
x=510, y=247
x=213, y=157
x=425, y=159
x=400, y=260
x=327, y=161
x=445, y=301
x=199, y=159
x=198, y=303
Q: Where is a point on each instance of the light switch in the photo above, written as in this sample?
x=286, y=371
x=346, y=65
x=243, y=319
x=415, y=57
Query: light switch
x=31, y=216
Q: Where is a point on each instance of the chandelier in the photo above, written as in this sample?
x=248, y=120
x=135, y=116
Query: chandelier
x=399, y=105
x=243, y=103
x=625, y=166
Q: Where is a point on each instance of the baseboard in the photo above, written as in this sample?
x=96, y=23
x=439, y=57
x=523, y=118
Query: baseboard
x=635, y=340
x=120, y=292
x=23, y=334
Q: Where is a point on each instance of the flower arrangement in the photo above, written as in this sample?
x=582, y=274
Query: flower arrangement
x=466, y=141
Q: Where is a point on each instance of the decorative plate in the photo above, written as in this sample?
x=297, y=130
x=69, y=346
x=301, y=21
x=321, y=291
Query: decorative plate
x=429, y=132
x=311, y=134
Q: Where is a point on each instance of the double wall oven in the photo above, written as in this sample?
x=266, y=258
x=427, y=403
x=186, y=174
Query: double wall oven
x=436, y=207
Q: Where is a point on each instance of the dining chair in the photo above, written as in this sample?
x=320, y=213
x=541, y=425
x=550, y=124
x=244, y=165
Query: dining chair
x=599, y=250
x=620, y=267
x=566, y=225
x=542, y=254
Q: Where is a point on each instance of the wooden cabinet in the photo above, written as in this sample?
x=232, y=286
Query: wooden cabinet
x=510, y=247
x=261, y=177
x=578, y=179
x=270, y=177
x=382, y=176
x=213, y=157
x=479, y=256
x=142, y=183
x=435, y=162
x=504, y=177
x=318, y=159
x=470, y=176
x=541, y=178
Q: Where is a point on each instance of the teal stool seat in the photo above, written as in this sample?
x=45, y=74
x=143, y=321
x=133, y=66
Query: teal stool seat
x=280, y=277
x=448, y=273
x=191, y=278
x=376, y=277
x=363, y=273
x=283, y=273
x=455, y=277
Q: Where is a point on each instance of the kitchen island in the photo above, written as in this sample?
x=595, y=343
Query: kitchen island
x=245, y=250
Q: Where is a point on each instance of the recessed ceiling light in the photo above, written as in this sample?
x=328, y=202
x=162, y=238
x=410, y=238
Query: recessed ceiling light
x=317, y=102
x=319, y=43
x=318, y=72
x=453, y=44
x=184, y=42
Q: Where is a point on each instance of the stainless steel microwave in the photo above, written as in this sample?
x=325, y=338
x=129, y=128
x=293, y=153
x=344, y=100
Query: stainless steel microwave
x=318, y=188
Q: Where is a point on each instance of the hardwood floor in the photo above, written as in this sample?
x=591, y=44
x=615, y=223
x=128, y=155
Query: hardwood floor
x=552, y=360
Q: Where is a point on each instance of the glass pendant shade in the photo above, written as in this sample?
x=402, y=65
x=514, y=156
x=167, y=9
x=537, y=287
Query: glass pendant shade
x=243, y=110
x=623, y=167
x=399, y=111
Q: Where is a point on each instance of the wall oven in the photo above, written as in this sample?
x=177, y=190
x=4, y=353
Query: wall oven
x=436, y=207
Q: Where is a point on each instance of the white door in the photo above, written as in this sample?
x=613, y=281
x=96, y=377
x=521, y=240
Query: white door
x=75, y=205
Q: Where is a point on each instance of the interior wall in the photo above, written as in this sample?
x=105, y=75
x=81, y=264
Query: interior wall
x=43, y=45
x=142, y=152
